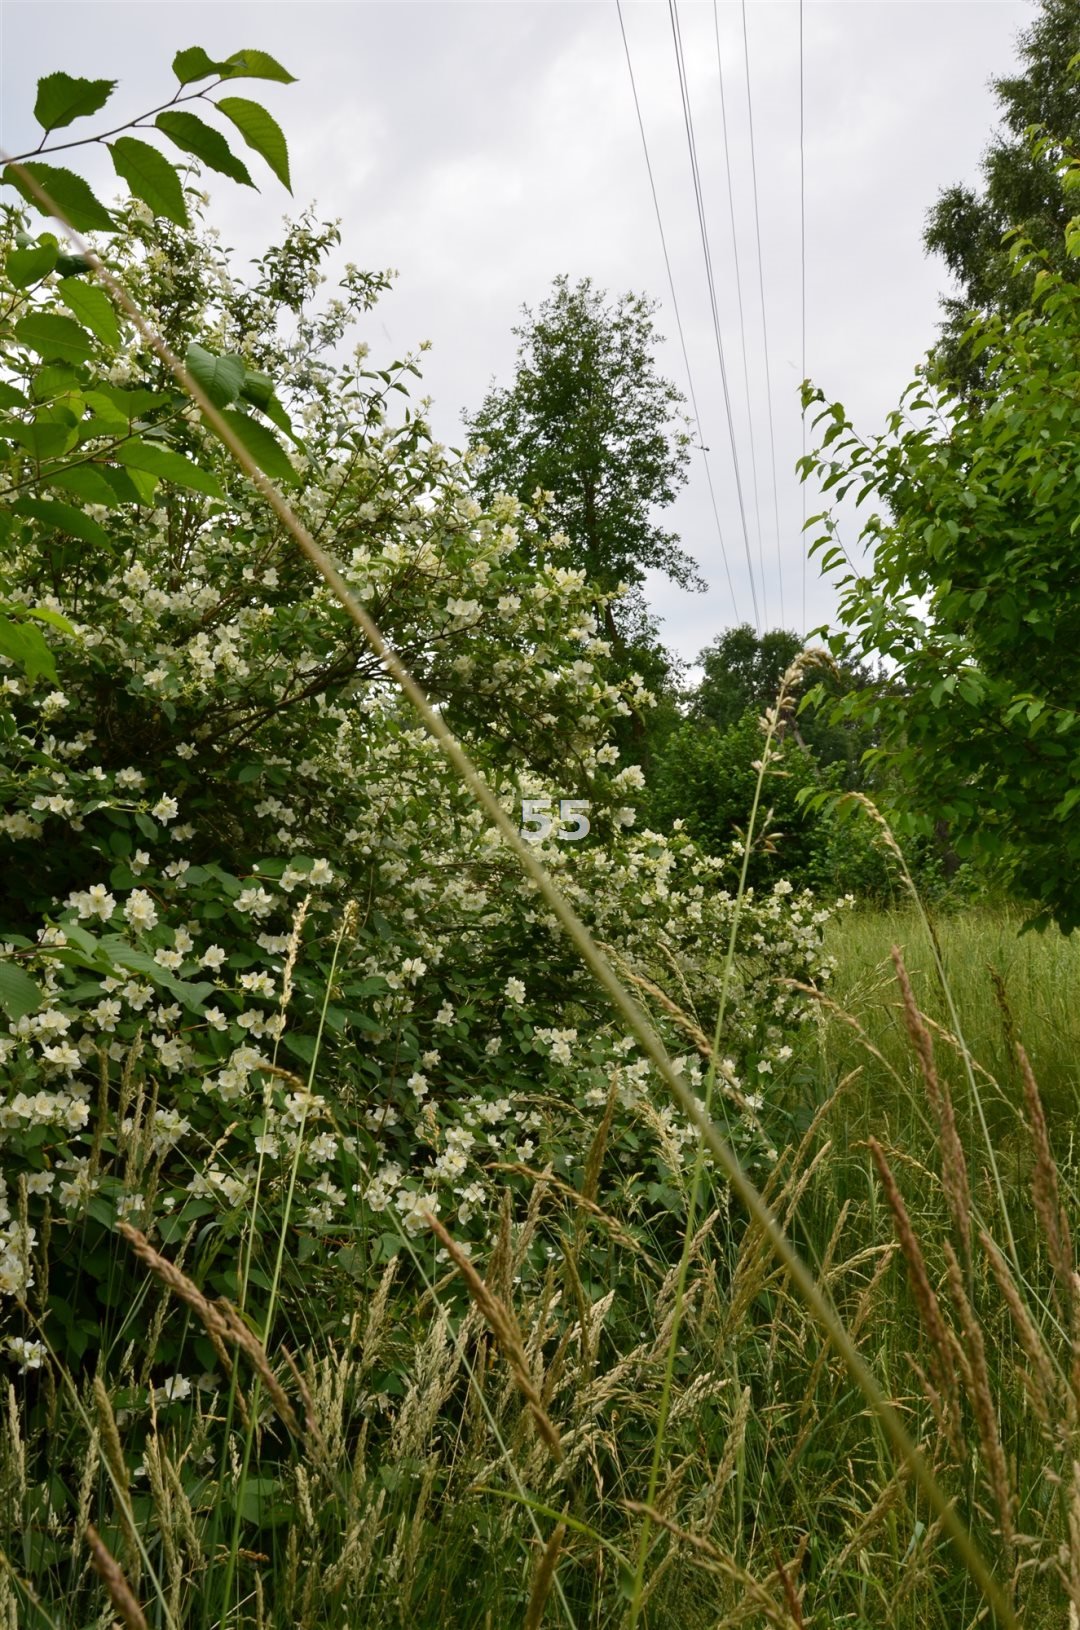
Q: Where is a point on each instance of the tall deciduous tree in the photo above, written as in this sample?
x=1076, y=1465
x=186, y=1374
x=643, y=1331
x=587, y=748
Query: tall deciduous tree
x=590, y=420
x=1021, y=191
x=973, y=597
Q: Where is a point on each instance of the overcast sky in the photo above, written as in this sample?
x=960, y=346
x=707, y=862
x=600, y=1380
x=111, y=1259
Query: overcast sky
x=483, y=148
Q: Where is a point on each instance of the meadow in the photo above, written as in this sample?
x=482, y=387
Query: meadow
x=486, y=1454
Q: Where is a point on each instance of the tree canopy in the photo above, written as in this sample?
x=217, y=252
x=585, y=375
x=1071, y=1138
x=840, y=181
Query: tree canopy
x=972, y=597
x=1021, y=192
x=590, y=422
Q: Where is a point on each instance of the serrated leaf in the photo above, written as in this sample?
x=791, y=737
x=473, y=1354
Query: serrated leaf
x=62, y=518
x=150, y=177
x=70, y=199
x=92, y=306
x=168, y=466
x=194, y=64
x=256, y=65
x=25, y=266
x=61, y=99
x=262, y=444
x=205, y=143
x=51, y=336
x=222, y=378
x=18, y=993
x=261, y=132
x=25, y=645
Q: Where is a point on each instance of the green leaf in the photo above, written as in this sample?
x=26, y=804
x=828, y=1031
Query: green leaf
x=18, y=993
x=262, y=444
x=55, y=619
x=132, y=402
x=86, y=482
x=25, y=266
x=261, y=132
x=72, y=265
x=63, y=518
x=52, y=336
x=151, y=177
x=26, y=646
x=10, y=397
x=93, y=307
x=194, y=64
x=222, y=378
x=256, y=65
x=60, y=99
x=205, y=143
x=169, y=466
x=41, y=438
x=69, y=196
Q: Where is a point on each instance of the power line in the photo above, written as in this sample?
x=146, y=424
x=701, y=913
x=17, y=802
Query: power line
x=764, y=323
x=695, y=173
x=678, y=319
x=739, y=298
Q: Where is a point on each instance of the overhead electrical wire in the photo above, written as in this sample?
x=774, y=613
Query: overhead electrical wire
x=739, y=299
x=678, y=319
x=688, y=121
x=761, y=291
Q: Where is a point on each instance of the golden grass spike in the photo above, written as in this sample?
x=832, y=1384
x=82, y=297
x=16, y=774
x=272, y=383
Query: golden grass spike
x=926, y=1301
x=111, y=1575
x=1044, y=1188
x=544, y=1578
x=500, y=1322
x=1043, y=1387
x=982, y=1402
x=954, y=1175
x=114, y=1456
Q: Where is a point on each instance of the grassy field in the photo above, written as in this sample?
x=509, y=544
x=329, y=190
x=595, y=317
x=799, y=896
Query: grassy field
x=519, y=1455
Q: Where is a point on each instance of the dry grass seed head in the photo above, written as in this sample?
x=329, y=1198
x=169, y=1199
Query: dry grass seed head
x=954, y=1176
x=981, y=1399
x=544, y=1577
x=111, y=1575
x=1040, y=1381
x=941, y=1347
x=1044, y=1189
x=503, y=1327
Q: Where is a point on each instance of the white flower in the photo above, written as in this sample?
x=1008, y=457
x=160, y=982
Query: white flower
x=129, y=778
x=28, y=1355
x=213, y=957
x=255, y=901
x=514, y=990
x=216, y=1019
x=445, y=1014
x=172, y=1391
x=320, y=874
x=140, y=910
x=166, y=809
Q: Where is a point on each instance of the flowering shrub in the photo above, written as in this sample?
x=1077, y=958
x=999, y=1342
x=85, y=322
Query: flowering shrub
x=266, y=966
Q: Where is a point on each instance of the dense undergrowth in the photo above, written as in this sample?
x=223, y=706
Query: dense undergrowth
x=361, y=1261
